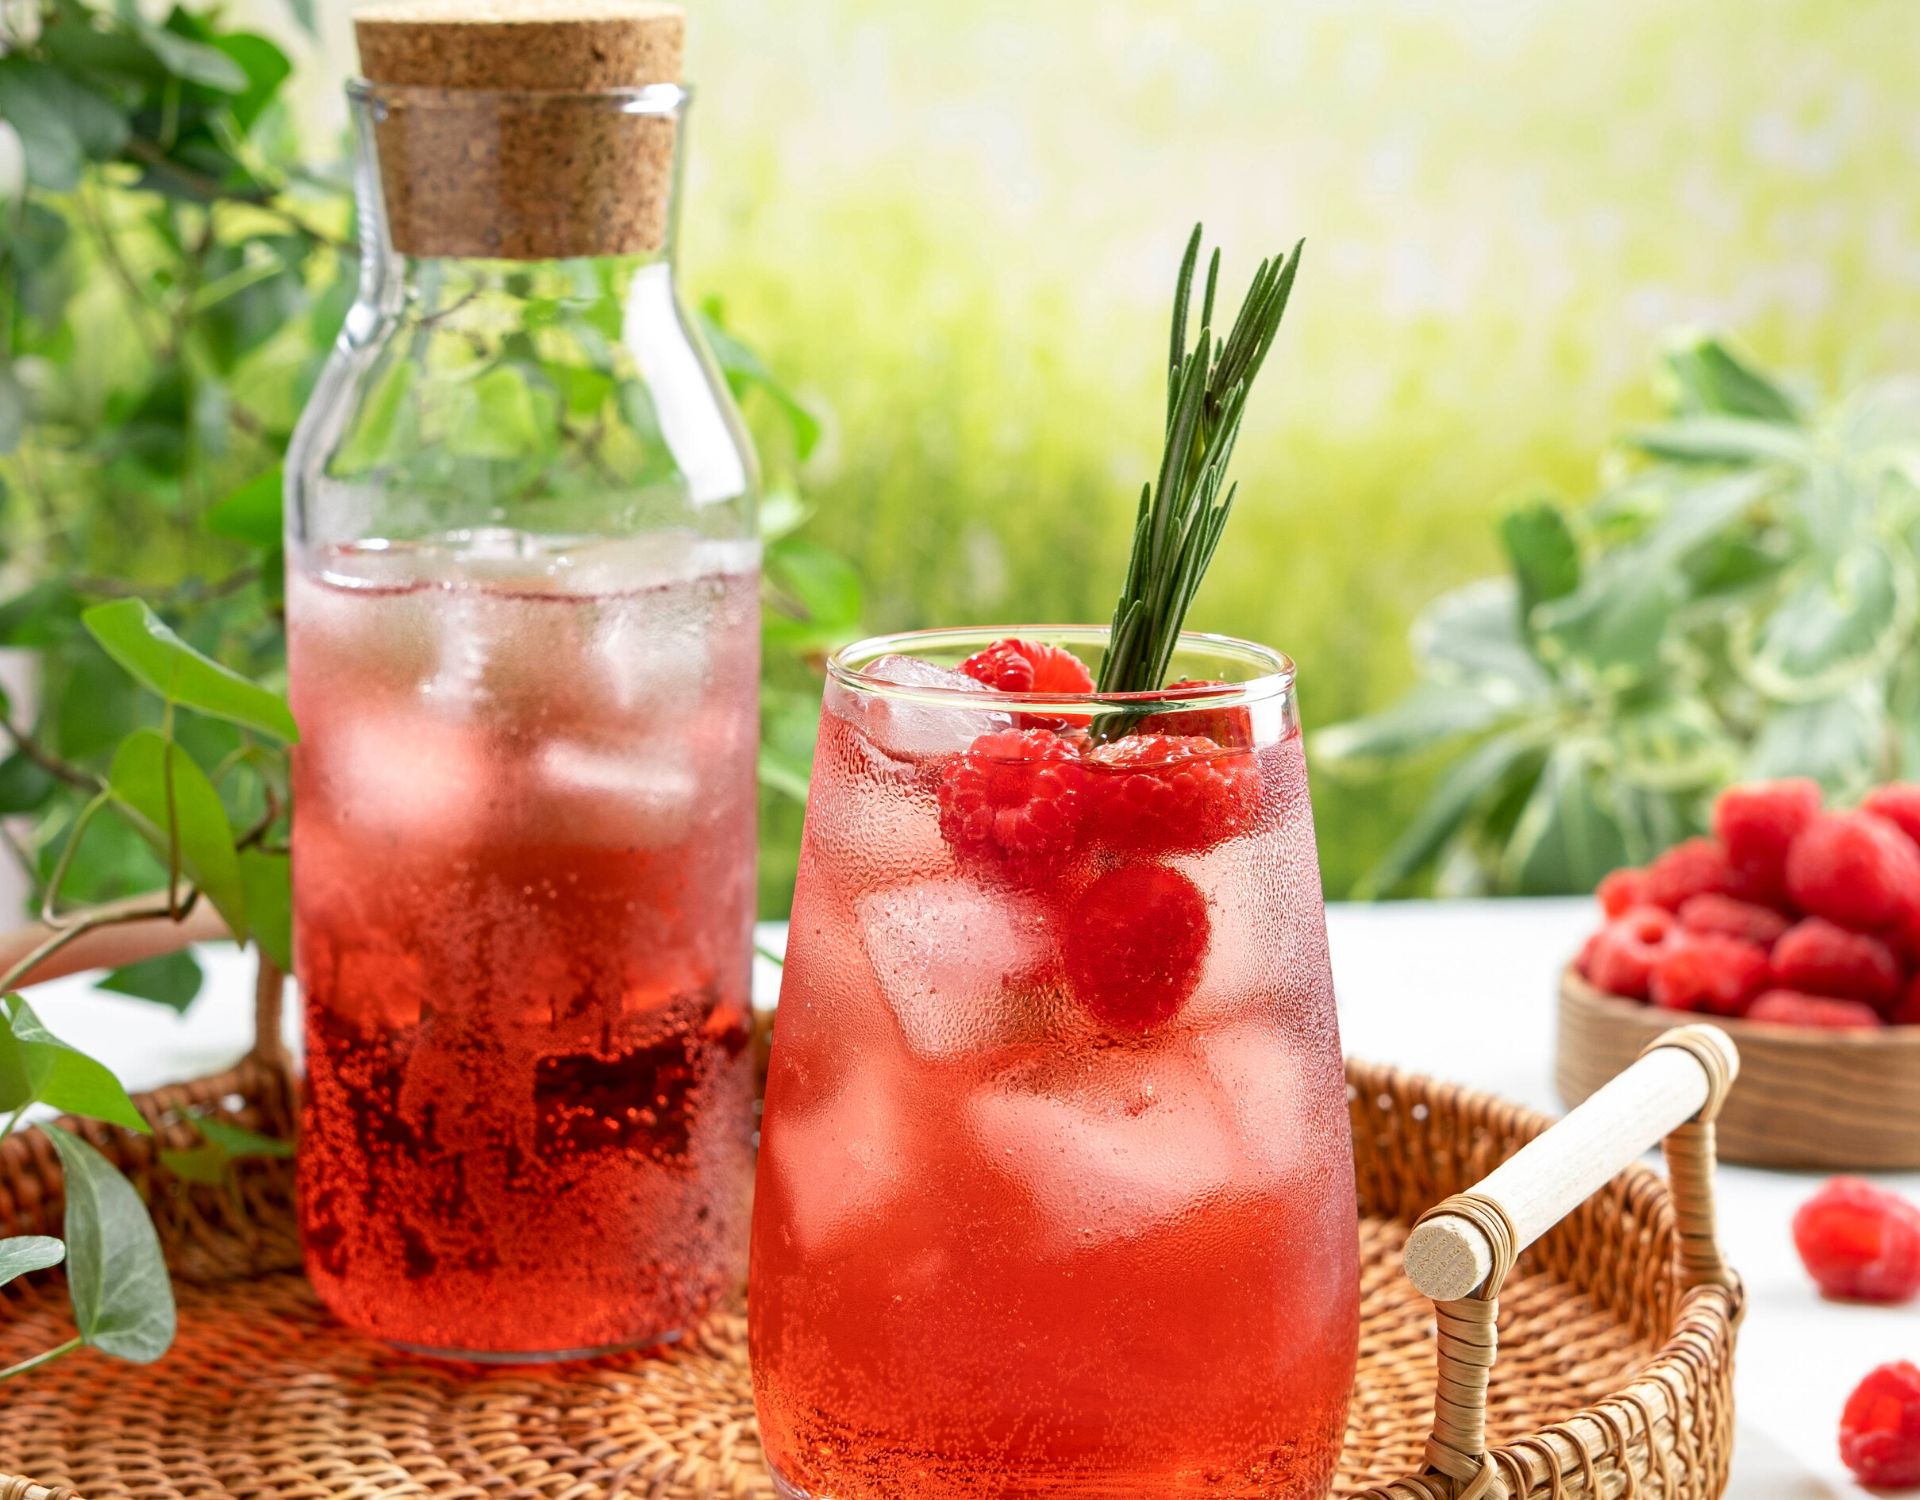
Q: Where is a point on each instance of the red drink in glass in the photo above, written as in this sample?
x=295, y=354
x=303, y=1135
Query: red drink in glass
x=523, y=890
x=1056, y=1191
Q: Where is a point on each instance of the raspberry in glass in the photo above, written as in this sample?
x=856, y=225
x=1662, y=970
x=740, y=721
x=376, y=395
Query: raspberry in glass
x=1230, y=726
x=1859, y=1241
x=1134, y=942
x=1158, y=794
x=1014, y=799
x=1855, y=869
x=1706, y=973
x=1016, y=666
x=1880, y=1428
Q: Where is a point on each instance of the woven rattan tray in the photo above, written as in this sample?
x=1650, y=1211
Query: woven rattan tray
x=1615, y=1366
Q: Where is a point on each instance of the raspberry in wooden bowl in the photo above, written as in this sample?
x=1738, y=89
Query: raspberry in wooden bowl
x=1797, y=928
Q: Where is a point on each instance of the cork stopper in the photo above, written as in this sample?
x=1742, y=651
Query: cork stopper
x=507, y=128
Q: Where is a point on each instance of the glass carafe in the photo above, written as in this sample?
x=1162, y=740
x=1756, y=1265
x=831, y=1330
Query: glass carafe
x=522, y=608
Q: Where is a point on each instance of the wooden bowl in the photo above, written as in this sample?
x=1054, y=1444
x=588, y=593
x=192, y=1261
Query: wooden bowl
x=1832, y=1100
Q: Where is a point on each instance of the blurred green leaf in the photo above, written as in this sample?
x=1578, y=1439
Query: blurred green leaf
x=1676, y=744
x=269, y=904
x=172, y=980
x=384, y=421
x=29, y=1252
x=1842, y=742
x=64, y=1078
x=13, y=409
x=817, y=596
x=238, y=1141
x=264, y=66
x=1569, y=833
x=23, y=785
x=251, y=514
x=60, y=121
x=205, y=1165
x=1473, y=634
x=784, y=774
x=1710, y=377
x=1543, y=553
x=502, y=416
x=139, y=781
x=1843, y=622
x=1464, y=786
x=745, y=371
x=1722, y=440
x=135, y=637
x=193, y=61
x=116, y=1277
x=1430, y=714
x=302, y=11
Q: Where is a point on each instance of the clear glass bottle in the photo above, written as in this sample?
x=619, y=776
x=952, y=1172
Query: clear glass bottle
x=523, y=637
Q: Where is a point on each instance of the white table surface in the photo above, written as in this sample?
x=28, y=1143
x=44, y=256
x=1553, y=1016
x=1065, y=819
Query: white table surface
x=1462, y=990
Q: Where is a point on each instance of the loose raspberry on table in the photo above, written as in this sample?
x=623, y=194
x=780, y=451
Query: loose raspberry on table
x=1859, y=1241
x=1621, y=889
x=1824, y=958
x=1880, y=1428
x=1855, y=869
x=1015, y=799
x=1704, y=972
x=1157, y=793
x=1621, y=955
x=1758, y=823
x=1693, y=867
x=1134, y=944
x=1729, y=917
x=1814, y=1012
x=1016, y=666
x=1899, y=803
x=1231, y=726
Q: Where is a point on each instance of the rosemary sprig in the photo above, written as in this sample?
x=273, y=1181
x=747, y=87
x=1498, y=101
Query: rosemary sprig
x=1184, y=510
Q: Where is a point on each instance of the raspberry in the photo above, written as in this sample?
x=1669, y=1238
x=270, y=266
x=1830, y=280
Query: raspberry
x=1704, y=972
x=1880, y=1428
x=1232, y=727
x=1622, y=954
x=1756, y=824
x=1899, y=803
x=1817, y=1012
x=1014, y=666
x=1817, y=956
x=1906, y=1010
x=1156, y=794
x=1859, y=1241
x=1724, y=915
x=1855, y=869
x=1134, y=942
x=1622, y=889
x=1693, y=867
x=1015, y=799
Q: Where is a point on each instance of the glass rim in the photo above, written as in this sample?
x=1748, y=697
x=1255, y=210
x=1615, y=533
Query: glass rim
x=1273, y=678
x=663, y=99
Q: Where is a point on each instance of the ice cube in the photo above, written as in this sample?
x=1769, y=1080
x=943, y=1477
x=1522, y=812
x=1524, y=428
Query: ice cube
x=903, y=726
x=845, y=1163
x=1108, y=1144
x=406, y=774
x=643, y=795
x=1261, y=1075
x=959, y=966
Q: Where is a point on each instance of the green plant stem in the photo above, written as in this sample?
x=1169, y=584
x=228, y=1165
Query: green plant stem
x=45, y=1356
x=45, y=759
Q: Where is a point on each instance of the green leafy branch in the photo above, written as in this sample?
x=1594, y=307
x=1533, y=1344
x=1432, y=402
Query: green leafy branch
x=1744, y=604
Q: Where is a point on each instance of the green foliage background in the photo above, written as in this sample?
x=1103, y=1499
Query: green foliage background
x=952, y=224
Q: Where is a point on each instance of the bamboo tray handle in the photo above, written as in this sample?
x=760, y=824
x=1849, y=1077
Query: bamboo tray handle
x=1461, y=1250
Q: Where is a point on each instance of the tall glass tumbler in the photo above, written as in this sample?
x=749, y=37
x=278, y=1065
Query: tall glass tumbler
x=1055, y=1191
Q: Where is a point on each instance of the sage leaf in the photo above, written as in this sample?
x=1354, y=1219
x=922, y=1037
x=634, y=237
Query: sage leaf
x=1464, y=787
x=1845, y=621
x=1711, y=377
x=144, y=768
x=140, y=641
x=28, y=1252
x=1473, y=634
x=1543, y=553
x=1428, y=715
x=1722, y=440
x=1570, y=832
x=65, y=1078
x=172, y=980
x=116, y=1276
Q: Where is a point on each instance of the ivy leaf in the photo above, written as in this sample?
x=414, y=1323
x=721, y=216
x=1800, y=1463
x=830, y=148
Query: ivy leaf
x=116, y=1276
x=140, y=641
x=265, y=66
x=29, y=1252
x=172, y=980
x=252, y=513
x=65, y=1078
x=138, y=781
x=269, y=896
x=501, y=416
x=238, y=1141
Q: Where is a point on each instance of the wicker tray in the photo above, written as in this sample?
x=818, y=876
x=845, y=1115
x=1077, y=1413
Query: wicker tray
x=1832, y=1100
x=1617, y=1331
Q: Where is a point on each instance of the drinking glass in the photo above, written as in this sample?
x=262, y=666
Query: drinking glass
x=1055, y=1189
